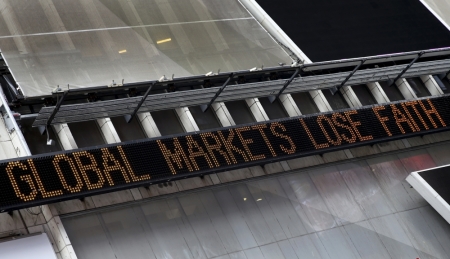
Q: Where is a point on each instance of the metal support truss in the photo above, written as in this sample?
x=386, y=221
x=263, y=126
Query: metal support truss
x=406, y=68
x=128, y=118
x=43, y=129
x=205, y=107
x=336, y=88
x=272, y=98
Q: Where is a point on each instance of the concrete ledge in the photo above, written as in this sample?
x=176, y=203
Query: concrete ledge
x=289, y=105
x=432, y=86
x=186, y=119
x=378, y=92
x=148, y=124
x=257, y=110
x=320, y=100
x=65, y=136
x=405, y=89
x=108, y=130
x=350, y=97
x=223, y=114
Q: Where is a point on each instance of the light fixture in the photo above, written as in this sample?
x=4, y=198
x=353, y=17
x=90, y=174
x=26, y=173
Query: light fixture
x=50, y=141
x=245, y=199
x=259, y=199
x=122, y=51
x=162, y=41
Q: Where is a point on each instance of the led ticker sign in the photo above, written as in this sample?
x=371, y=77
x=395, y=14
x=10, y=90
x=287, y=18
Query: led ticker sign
x=54, y=177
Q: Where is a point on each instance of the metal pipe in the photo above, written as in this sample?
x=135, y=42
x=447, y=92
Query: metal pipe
x=273, y=98
x=205, y=107
x=128, y=118
x=407, y=67
x=58, y=105
x=335, y=89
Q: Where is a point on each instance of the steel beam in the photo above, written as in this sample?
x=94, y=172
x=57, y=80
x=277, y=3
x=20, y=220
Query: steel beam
x=43, y=129
x=273, y=98
x=407, y=67
x=335, y=89
x=128, y=118
x=205, y=107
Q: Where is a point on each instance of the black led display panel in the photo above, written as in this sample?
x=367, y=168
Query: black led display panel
x=439, y=180
x=329, y=30
x=66, y=175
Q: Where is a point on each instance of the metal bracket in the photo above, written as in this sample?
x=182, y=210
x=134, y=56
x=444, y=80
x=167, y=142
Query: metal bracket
x=43, y=129
x=8, y=122
x=128, y=118
x=205, y=107
x=336, y=88
x=7, y=119
x=272, y=98
x=446, y=74
x=406, y=68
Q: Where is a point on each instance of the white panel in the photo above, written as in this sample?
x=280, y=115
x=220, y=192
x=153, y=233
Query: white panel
x=429, y=194
x=37, y=247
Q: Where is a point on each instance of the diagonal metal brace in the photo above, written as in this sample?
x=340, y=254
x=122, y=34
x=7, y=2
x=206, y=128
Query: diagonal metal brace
x=128, y=118
x=42, y=129
x=205, y=107
x=336, y=88
x=407, y=67
x=272, y=98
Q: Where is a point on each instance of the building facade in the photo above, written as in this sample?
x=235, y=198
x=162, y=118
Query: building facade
x=346, y=203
